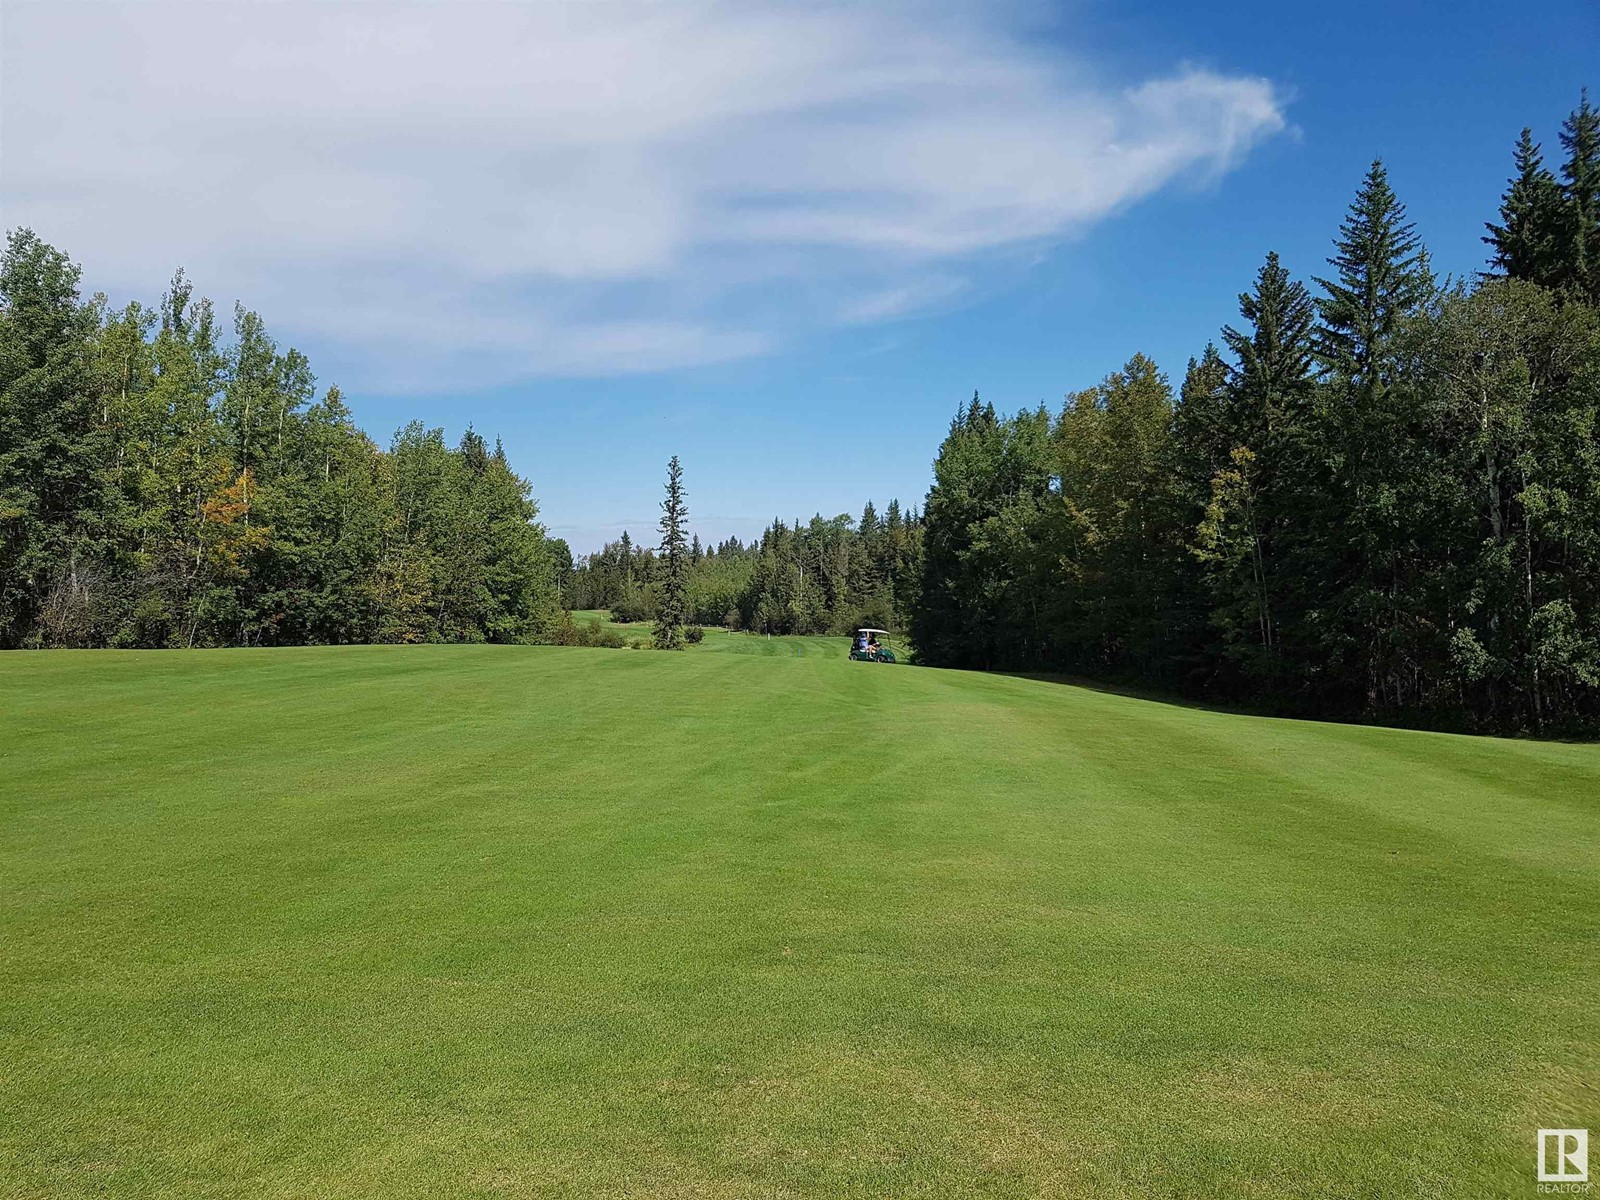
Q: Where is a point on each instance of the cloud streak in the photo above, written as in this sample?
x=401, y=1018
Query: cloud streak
x=481, y=192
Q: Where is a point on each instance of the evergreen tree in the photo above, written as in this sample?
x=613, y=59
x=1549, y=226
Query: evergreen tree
x=1203, y=439
x=1528, y=241
x=672, y=607
x=1382, y=277
x=1580, y=188
x=1271, y=382
x=983, y=585
x=867, y=527
x=1247, y=514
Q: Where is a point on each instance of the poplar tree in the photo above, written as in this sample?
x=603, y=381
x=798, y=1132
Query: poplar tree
x=672, y=608
x=50, y=445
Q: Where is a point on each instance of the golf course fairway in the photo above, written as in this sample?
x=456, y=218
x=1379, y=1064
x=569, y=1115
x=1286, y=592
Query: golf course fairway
x=756, y=921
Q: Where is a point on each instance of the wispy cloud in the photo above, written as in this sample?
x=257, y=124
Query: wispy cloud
x=478, y=192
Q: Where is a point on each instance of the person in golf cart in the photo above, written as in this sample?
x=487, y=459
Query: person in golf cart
x=865, y=647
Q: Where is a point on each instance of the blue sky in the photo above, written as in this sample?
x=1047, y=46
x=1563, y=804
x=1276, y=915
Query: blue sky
x=784, y=243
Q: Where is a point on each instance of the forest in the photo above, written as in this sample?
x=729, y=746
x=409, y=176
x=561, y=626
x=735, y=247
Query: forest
x=1376, y=497
x=829, y=575
x=161, y=485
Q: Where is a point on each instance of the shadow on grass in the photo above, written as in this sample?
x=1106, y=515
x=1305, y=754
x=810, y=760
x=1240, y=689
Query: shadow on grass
x=1287, y=712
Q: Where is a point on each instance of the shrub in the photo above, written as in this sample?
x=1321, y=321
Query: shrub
x=694, y=635
x=570, y=633
x=633, y=606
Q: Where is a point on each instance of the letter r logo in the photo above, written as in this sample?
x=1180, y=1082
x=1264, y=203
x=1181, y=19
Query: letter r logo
x=1563, y=1156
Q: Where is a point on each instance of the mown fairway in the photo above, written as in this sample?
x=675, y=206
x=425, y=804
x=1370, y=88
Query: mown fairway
x=483, y=921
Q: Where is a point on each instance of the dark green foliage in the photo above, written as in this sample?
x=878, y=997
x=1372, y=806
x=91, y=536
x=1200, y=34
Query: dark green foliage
x=1394, y=515
x=52, y=449
x=587, y=633
x=672, y=605
x=1270, y=387
x=1254, y=447
x=1549, y=230
x=561, y=562
x=1580, y=190
x=158, y=489
x=984, y=541
x=825, y=576
x=1381, y=277
x=1529, y=240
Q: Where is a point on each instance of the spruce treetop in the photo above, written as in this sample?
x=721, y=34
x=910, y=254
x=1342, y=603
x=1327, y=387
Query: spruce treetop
x=1526, y=241
x=1381, y=276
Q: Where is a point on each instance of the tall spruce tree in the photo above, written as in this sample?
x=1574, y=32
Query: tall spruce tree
x=672, y=608
x=1367, y=436
x=1272, y=381
x=1199, y=424
x=1382, y=276
x=1268, y=395
x=1527, y=242
x=1580, y=188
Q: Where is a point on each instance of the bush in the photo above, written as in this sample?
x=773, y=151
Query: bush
x=694, y=635
x=570, y=633
x=634, y=606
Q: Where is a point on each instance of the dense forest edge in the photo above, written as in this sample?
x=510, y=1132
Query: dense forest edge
x=1377, y=499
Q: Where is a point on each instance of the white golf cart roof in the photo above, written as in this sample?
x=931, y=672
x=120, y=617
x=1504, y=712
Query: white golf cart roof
x=864, y=629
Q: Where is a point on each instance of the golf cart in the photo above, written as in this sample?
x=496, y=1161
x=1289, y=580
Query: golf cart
x=865, y=647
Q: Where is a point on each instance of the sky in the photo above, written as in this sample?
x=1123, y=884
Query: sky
x=785, y=242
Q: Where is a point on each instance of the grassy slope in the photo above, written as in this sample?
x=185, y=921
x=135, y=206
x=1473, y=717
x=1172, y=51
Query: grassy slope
x=498, y=921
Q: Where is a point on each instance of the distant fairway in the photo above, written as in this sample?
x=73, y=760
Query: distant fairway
x=495, y=921
x=723, y=641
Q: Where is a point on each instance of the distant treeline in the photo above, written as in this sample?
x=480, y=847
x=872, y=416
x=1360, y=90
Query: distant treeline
x=1378, y=501
x=160, y=488
x=826, y=576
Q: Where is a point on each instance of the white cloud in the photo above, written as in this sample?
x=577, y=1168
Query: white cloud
x=514, y=189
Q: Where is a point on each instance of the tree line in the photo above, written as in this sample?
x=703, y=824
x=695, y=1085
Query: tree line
x=1376, y=500
x=827, y=575
x=168, y=483
x=159, y=487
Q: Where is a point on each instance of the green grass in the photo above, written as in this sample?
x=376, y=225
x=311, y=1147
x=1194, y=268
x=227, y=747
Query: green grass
x=721, y=640
x=486, y=921
x=632, y=630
